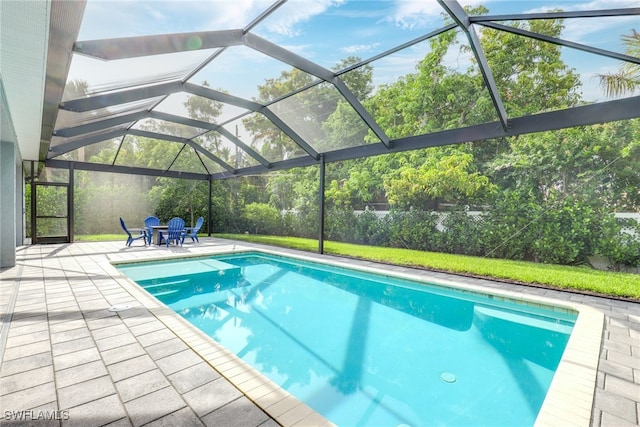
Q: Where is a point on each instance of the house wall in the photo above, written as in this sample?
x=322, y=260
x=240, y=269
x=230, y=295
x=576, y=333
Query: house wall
x=9, y=165
x=7, y=204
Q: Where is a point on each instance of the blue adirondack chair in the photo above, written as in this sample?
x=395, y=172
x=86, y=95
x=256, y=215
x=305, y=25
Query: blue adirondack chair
x=130, y=237
x=193, y=231
x=149, y=222
x=175, y=231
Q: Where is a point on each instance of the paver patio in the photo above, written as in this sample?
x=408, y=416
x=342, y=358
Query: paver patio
x=79, y=345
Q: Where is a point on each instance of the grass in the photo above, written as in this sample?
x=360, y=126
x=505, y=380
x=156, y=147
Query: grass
x=100, y=237
x=584, y=279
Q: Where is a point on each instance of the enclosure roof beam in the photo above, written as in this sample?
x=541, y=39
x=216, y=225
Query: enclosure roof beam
x=276, y=5
x=555, y=15
x=290, y=133
x=460, y=16
x=172, y=138
x=158, y=115
x=100, y=124
x=216, y=95
x=362, y=112
x=209, y=155
x=251, y=106
x=132, y=47
x=610, y=111
x=622, y=109
x=105, y=124
x=250, y=151
x=286, y=56
x=398, y=48
x=561, y=42
x=83, y=142
x=136, y=94
x=121, y=97
x=210, y=126
x=129, y=170
x=133, y=117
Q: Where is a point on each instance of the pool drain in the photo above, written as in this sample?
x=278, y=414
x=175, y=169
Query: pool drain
x=448, y=377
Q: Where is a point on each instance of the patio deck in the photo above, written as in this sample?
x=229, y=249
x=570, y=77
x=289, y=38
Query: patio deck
x=66, y=355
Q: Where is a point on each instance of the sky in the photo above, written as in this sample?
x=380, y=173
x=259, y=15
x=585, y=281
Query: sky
x=323, y=31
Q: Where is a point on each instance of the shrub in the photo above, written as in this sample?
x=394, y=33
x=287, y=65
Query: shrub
x=567, y=232
x=462, y=234
x=289, y=220
x=371, y=229
x=262, y=218
x=413, y=229
x=339, y=225
x=556, y=231
x=620, y=242
x=508, y=230
x=304, y=223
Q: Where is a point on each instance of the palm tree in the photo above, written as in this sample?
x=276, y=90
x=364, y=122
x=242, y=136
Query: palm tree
x=627, y=79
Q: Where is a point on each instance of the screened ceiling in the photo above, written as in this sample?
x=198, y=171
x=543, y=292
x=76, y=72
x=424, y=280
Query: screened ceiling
x=217, y=89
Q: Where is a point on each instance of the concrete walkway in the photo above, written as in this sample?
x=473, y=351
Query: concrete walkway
x=80, y=347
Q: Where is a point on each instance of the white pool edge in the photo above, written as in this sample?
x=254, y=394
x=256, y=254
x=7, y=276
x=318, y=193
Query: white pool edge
x=568, y=402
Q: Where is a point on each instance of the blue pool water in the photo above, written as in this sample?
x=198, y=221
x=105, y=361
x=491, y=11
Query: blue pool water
x=369, y=350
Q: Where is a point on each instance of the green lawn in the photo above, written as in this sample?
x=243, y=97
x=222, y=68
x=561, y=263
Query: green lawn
x=557, y=276
x=100, y=237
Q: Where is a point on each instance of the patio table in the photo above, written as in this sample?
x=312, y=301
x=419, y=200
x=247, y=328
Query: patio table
x=155, y=231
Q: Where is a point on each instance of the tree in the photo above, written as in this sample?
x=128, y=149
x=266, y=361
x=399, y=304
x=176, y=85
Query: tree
x=450, y=176
x=201, y=108
x=323, y=118
x=180, y=197
x=175, y=197
x=596, y=162
x=301, y=112
x=627, y=79
x=530, y=76
x=359, y=80
x=529, y=73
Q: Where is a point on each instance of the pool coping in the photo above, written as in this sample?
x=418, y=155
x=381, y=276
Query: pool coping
x=569, y=399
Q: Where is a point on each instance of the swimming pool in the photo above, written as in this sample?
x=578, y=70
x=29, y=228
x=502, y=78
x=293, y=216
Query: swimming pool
x=365, y=349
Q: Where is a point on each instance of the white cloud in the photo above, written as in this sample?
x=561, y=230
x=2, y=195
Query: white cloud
x=359, y=48
x=580, y=30
x=413, y=14
x=297, y=12
x=233, y=14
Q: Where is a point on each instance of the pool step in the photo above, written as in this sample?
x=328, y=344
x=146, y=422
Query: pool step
x=175, y=283
x=484, y=314
x=165, y=293
x=177, y=269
